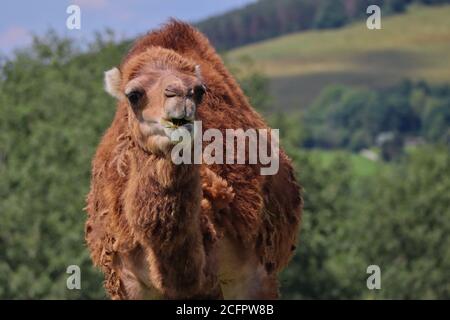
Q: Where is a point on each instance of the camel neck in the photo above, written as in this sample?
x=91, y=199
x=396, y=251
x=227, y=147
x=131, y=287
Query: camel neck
x=162, y=170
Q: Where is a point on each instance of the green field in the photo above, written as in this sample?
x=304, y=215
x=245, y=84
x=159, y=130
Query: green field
x=413, y=45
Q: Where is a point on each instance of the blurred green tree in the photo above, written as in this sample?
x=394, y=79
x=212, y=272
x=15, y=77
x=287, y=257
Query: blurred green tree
x=404, y=227
x=52, y=114
x=330, y=14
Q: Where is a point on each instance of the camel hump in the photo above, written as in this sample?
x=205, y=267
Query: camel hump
x=178, y=36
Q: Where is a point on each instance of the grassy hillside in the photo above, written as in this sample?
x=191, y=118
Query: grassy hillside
x=413, y=45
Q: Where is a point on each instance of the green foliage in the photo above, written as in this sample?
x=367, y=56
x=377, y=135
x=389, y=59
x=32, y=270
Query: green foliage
x=358, y=118
x=330, y=14
x=325, y=252
x=360, y=212
x=398, y=219
x=404, y=227
x=52, y=115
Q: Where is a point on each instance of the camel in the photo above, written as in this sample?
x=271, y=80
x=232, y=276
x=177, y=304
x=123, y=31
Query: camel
x=159, y=230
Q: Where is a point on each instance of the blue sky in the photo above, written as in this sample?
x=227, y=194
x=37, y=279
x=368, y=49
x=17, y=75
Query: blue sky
x=19, y=18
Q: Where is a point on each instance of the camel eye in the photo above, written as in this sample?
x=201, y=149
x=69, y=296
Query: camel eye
x=134, y=97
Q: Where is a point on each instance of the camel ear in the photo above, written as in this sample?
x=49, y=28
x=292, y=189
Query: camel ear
x=112, y=83
x=198, y=73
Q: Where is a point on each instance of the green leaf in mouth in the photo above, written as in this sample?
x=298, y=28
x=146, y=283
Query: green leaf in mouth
x=176, y=122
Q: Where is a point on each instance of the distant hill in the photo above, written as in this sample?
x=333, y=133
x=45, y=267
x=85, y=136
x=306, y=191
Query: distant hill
x=267, y=19
x=414, y=45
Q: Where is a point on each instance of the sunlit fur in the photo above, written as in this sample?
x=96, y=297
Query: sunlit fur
x=160, y=230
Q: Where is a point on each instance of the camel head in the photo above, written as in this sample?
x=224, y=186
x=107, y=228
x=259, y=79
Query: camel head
x=162, y=91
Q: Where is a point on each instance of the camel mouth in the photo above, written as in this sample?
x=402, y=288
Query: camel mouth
x=176, y=123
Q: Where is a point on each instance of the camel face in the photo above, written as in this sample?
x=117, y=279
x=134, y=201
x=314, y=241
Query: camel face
x=160, y=107
x=161, y=99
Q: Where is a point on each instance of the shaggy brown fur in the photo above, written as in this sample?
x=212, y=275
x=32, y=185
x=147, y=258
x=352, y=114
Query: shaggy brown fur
x=160, y=230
